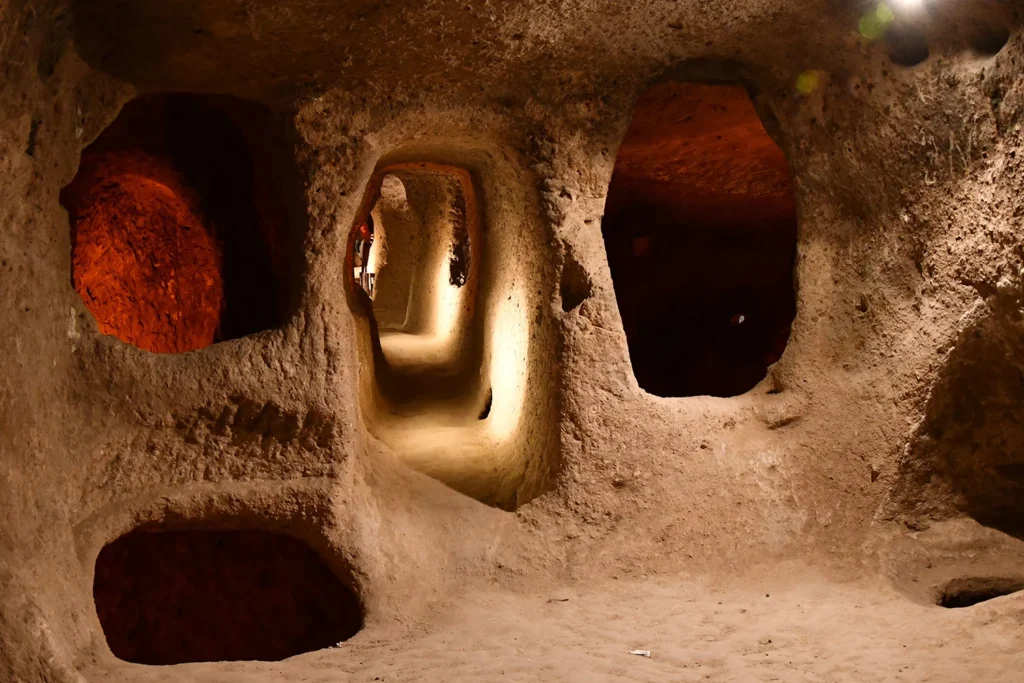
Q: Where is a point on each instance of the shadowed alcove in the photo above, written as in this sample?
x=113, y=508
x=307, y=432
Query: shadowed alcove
x=700, y=230
x=965, y=458
x=169, y=597
x=178, y=223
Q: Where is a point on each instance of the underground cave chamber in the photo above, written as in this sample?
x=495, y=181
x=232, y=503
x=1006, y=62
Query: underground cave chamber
x=178, y=223
x=700, y=230
x=453, y=350
x=176, y=596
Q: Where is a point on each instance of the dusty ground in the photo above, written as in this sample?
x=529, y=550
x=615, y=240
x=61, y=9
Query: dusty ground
x=876, y=462
x=770, y=629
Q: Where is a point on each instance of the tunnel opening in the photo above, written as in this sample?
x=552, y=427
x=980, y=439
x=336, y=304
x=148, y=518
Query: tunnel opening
x=906, y=46
x=177, y=596
x=411, y=256
x=968, y=591
x=988, y=38
x=414, y=265
x=179, y=219
x=417, y=232
x=700, y=229
x=452, y=378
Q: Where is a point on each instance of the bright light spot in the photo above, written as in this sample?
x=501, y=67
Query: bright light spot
x=742, y=318
x=509, y=358
x=377, y=249
x=873, y=24
x=908, y=5
x=885, y=13
x=807, y=82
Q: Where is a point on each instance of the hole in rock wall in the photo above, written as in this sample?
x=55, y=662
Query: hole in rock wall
x=178, y=223
x=906, y=46
x=575, y=286
x=171, y=597
x=964, y=592
x=485, y=412
x=700, y=229
x=988, y=39
x=965, y=458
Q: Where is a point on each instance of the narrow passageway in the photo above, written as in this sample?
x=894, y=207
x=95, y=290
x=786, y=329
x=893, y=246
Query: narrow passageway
x=449, y=330
x=425, y=234
x=412, y=256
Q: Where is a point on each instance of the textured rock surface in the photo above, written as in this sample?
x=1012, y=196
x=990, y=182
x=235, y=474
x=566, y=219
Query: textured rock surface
x=144, y=260
x=908, y=183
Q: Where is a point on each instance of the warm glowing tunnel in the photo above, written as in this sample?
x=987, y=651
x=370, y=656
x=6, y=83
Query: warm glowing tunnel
x=178, y=223
x=459, y=385
x=417, y=272
x=700, y=231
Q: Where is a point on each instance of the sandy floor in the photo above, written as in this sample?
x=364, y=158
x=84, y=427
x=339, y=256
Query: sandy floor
x=811, y=631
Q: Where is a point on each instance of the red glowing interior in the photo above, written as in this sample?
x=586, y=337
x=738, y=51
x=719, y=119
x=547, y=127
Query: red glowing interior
x=178, y=221
x=144, y=259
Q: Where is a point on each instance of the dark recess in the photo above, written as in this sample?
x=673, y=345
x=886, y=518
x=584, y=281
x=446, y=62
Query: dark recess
x=488, y=402
x=700, y=230
x=906, y=46
x=988, y=39
x=171, y=597
x=458, y=262
x=965, y=592
x=212, y=153
x=966, y=457
x=575, y=287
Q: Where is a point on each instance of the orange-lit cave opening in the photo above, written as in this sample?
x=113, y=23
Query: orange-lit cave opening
x=178, y=223
x=176, y=596
x=700, y=229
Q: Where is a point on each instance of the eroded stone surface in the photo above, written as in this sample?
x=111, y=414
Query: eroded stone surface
x=907, y=182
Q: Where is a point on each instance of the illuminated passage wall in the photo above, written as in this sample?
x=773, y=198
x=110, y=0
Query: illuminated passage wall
x=461, y=384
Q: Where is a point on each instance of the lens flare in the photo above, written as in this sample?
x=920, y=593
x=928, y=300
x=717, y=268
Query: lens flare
x=873, y=24
x=908, y=5
x=807, y=82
